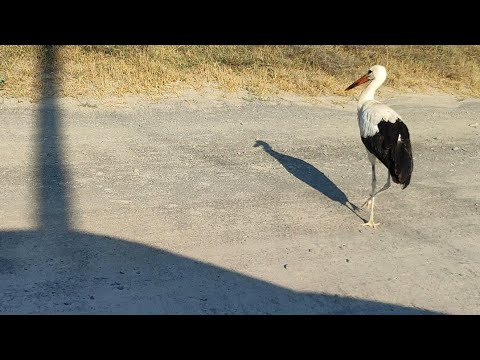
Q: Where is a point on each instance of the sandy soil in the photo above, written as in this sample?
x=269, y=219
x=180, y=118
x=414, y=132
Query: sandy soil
x=168, y=207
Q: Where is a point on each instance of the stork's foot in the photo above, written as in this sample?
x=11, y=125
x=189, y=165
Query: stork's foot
x=372, y=224
x=367, y=203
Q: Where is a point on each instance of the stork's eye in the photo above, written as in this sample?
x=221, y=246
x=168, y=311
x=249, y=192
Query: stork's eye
x=369, y=71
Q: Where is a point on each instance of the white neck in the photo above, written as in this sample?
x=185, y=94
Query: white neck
x=369, y=92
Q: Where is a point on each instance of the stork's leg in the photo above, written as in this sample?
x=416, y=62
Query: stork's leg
x=370, y=222
x=386, y=186
x=368, y=202
x=374, y=184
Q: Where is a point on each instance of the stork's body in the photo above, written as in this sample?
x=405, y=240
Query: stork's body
x=384, y=134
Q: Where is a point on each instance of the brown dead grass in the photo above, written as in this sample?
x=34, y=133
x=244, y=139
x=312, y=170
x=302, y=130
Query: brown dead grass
x=99, y=71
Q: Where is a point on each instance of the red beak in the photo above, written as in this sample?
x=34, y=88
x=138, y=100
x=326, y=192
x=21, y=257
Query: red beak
x=360, y=81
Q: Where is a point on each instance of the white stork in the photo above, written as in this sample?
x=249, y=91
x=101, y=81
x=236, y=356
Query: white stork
x=384, y=134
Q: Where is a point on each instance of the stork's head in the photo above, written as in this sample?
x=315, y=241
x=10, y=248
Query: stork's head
x=376, y=72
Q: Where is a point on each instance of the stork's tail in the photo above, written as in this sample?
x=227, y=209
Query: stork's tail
x=402, y=168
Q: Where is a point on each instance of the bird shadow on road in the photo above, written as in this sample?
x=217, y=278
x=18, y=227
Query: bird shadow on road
x=57, y=269
x=311, y=176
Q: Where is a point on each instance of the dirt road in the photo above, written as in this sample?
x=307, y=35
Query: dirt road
x=169, y=207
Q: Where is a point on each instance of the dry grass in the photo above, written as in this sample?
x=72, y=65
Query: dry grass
x=98, y=71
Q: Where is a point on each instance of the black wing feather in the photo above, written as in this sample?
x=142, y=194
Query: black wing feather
x=394, y=152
